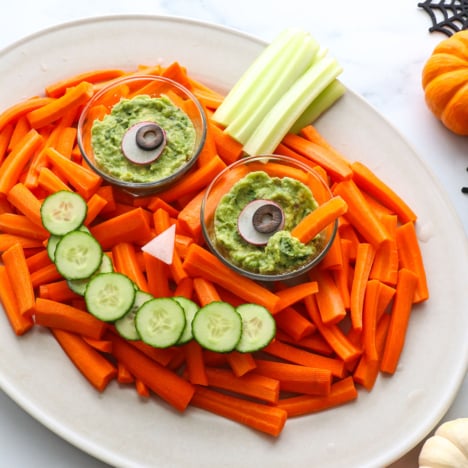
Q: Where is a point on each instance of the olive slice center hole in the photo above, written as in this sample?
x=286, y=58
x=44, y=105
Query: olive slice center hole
x=149, y=136
x=267, y=218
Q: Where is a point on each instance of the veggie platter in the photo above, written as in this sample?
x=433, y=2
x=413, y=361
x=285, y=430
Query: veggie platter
x=374, y=429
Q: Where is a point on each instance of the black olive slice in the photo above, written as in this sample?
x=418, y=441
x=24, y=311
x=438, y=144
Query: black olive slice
x=259, y=220
x=143, y=142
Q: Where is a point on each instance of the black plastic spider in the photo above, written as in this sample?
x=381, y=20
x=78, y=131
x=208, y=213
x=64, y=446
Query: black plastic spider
x=447, y=16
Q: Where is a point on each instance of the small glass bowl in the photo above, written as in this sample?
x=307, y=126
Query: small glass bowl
x=273, y=165
x=154, y=86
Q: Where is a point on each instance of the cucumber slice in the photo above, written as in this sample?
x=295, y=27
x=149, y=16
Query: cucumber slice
x=126, y=325
x=109, y=296
x=190, y=309
x=78, y=255
x=258, y=327
x=78, y=286
x=63, y=212
x=54, y=240
x=160, y=322
x=217, y=327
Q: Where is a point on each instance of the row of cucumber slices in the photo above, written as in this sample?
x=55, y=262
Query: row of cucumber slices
x=137, y=315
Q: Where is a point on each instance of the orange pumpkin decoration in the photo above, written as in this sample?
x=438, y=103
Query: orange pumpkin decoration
x=445, y=82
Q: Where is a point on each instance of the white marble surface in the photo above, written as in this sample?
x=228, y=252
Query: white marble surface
x=382, y=47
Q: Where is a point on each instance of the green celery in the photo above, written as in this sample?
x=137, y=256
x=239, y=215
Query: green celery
x=319, y=105
x=276, y=80
x=291, y=105
x=246, y=84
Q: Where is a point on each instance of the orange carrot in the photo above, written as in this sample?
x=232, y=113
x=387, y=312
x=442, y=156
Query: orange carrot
x=38, y=260
x=132, y=226
x=125, y=260
x=364, y=258
x=329, y=299
x=195, y=180
x=293, y=323
x=369, y=319
x=359, y=214
x=209, y=147
x=184, y=288
x=371, y=183
x=44, y=275
x=8, y=240
x=58, y=291
x=142, y=389
x=342, y=391
x=104, y=346
x=400, y=315
x=20, y=323
x=26, y=203
x=85, y=181
x=240, y=363
x=175, y=71
x=17, y=160
x=50, y=181
x=333, y=163
x=295, y=378
x=58, y=88
x=5, y=136
x=53, y=314
x=333, y=260
x=123, y=374
x=332, y=333
x=305, y=358
x=165, y=383
x=18, y=272
x=95, y=205
x=200, y=262
x=20, y=130
x=13, y=113
x=11, y=223
x=66, y=141
x=95, y=367
x=296, y=293
x=265, y=418
x=157, y=274
x=255, y=386
x=205, y=291
x=317, y=220
x=228, y=149
x=410, y=256
x=315, y=342
x=195, y=365
x=68, y=102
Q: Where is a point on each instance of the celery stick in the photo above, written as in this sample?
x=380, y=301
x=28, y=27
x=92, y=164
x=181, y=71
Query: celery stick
x=318, y=106
x=279, y=77
x=246, y=83
x=292, y=104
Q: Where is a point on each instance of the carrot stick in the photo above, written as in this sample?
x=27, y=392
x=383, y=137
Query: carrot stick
x=66, y=141
x=68, y=102
x=20, y=323
x=58, y=291
x=175, y=71
x=157, y=275
x=50, y=181
x=371, y=183
x=184, y=288
x=17, y=160
x=38, y=260
x=295, y=378
x=58, y=88
x=255, y=386
x=305, y=358
x=369, y=319
x=294, y=324
x=53, y=314
x=104, y=346
x=240, y=363
x=333, y=260
x=296, y=293
x=364, y=258
x=359, y=214
x=318, y=219
x=17, y=224
x=341, y=392
x=265, y=418
x=5, y=136
x=13, y=113
x=228, y=149
x=205, y=291
x=142, y=389
x=20, y=130
x=18, y=272
x=132, y=226
x=315, y=342
x=46, y=274
x=165, y=383
x=334, y=164
x=400, y=314
x=209, y=149
x=95, y=205
x=123, y=374
x=195, y=180
x=411, y=258
x=195, y=365
x=26, y=203
x=332, y=334
x=95, y=367
x=8, y=240
x=329, y=299
x=125, y=261
x=85, y=181
x=200, y=262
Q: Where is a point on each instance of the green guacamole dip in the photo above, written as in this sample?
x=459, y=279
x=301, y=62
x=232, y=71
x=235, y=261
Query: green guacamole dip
x=107, y=134
x=283, y=252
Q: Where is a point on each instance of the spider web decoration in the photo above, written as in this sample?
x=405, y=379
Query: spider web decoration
x=447, y=16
